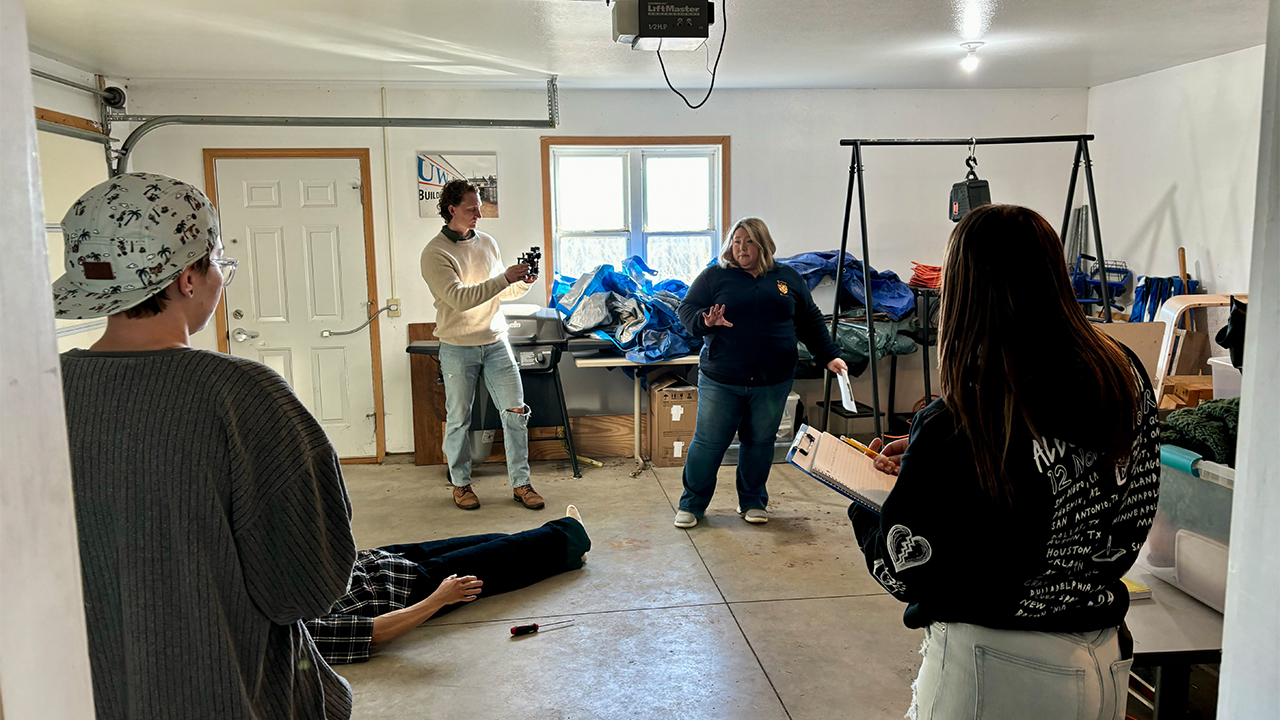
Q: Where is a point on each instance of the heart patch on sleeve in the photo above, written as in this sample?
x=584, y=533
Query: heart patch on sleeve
x=907, y=550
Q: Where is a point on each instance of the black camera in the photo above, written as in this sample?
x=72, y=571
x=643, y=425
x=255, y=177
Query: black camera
x=531, y=259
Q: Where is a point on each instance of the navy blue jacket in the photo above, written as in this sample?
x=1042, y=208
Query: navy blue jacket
x=769, y=313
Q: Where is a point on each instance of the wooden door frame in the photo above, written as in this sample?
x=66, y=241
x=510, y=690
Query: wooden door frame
x=549, y=141
x=212, y=155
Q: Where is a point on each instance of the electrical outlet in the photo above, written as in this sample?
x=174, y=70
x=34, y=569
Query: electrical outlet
x=395, y=311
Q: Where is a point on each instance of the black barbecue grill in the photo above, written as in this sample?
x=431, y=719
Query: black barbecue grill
x=539, y=340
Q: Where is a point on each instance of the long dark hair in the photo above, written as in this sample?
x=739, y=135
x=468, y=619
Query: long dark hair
x=1015, y=345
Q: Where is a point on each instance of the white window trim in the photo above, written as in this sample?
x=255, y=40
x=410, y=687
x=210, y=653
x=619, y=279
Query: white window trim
x=634, y=189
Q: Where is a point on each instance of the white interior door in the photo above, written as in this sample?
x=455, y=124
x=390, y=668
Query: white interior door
x=297, y=227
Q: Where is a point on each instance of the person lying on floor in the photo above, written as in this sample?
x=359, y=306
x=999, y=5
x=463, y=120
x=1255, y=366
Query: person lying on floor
x=396, y=588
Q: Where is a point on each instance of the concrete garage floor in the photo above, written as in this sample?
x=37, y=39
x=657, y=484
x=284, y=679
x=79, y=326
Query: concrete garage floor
x=727, y=620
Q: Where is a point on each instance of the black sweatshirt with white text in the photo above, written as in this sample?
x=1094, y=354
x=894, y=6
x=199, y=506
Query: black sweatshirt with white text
x=769, y=314
x=1051, y=560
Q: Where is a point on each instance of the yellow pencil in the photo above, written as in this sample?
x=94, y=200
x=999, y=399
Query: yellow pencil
x=862, y=448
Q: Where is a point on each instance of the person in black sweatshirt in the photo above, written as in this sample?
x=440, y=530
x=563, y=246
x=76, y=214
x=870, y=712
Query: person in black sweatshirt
x=1023, y=494
x=750, y=311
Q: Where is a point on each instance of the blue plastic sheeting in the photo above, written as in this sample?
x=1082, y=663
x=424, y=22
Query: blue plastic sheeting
x=628, y=309
x=891, y=296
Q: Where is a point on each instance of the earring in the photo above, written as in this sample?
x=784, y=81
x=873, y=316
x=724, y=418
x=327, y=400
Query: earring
x=191, y=293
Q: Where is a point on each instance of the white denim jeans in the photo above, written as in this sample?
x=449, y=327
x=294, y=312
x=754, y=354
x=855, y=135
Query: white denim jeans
x=975, y=673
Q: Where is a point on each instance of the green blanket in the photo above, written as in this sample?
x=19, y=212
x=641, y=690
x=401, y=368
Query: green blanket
x=1209, y=428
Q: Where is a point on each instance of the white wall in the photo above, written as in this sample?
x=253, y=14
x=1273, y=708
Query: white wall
x=44, y=656
x=1176, y=162
x=1251, y=629
x=787, y=167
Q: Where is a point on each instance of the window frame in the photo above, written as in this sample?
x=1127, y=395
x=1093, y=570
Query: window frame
x=635, y=149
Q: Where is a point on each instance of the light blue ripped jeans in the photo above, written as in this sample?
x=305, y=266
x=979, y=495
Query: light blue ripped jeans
x=461, y=366
x=972, y=672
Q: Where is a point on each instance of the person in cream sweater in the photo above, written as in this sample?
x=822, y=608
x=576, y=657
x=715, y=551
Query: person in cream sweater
x=463, y=269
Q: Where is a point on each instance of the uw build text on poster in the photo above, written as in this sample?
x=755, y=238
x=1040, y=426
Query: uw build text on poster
x=435, y=169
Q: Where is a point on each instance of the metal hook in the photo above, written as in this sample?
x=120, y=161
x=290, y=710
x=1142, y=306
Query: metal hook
x=972, y=161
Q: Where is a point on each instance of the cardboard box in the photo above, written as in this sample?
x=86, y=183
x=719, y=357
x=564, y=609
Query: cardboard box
x=673, y=415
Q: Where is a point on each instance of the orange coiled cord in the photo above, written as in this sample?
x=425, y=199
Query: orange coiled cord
x=926, y=276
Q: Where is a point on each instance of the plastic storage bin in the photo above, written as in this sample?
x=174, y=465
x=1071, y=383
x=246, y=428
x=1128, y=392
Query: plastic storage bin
x=1187, y=545
x=1226, y=378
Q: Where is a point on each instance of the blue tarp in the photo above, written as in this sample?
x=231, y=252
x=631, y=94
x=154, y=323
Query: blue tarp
x=627, y=308
x=890, y=295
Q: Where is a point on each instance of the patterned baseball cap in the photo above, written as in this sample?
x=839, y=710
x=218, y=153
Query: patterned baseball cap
x=127, y=239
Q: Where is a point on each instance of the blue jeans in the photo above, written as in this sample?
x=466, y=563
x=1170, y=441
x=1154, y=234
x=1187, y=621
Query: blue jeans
x=753, y=413
x=461, y=366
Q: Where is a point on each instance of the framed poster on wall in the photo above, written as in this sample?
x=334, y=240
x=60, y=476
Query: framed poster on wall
x=437, y=168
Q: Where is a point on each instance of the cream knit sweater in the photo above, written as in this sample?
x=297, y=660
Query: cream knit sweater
x=466, y=277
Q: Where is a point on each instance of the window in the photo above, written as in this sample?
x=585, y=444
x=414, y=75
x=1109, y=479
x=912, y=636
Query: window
x=662, y=202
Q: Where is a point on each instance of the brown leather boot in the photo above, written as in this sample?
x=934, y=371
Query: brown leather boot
x=527, y=495
x=465, y=498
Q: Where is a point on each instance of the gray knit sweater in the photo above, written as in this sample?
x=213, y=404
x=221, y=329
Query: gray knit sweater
x=212, y=521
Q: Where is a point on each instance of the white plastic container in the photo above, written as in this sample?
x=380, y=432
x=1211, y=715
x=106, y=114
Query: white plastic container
x=1226, y=379
x=1187, y=545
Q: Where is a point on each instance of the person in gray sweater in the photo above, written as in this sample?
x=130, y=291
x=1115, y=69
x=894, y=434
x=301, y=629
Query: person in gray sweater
x=211, y=511
x=463, y=269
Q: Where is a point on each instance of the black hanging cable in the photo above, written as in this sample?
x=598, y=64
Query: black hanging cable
x=724, y=30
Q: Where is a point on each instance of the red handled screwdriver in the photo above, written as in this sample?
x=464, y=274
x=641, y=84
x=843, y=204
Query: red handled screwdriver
x=535, y=627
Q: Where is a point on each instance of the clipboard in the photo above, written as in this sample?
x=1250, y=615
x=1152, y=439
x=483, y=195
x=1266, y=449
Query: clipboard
x=841, y=467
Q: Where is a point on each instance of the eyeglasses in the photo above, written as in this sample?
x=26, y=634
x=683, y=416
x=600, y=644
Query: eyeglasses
x=227, y=267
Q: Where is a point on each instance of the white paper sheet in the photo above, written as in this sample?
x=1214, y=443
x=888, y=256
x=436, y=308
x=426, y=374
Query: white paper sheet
x=846, y=393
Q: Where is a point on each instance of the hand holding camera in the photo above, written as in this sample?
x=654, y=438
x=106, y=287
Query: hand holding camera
x=528, y=263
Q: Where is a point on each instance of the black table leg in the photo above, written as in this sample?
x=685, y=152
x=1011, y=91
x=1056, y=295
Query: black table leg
x=1173, y=687
x=893, y=392
x=564, y=414
x=923, y=315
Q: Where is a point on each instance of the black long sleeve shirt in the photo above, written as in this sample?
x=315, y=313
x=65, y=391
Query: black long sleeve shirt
x=1050, y=561
x=769, y=313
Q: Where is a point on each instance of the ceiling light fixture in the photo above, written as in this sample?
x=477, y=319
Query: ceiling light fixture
x=970, y=61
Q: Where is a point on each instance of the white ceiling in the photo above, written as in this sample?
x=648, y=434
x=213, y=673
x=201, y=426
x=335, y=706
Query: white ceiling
x=770, y=43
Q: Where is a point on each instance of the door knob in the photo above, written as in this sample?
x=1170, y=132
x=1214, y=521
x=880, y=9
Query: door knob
x=240, y=334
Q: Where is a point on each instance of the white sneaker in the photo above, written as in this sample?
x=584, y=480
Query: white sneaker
x=572, y=512
x=754, y=515
x=685, y=519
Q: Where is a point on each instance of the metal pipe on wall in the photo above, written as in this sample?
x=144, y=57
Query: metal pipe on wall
x=386, y=183
x=153, y=122
x=112, y=96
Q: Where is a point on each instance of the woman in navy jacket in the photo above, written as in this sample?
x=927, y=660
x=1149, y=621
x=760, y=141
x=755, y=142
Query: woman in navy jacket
x=750, y=312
